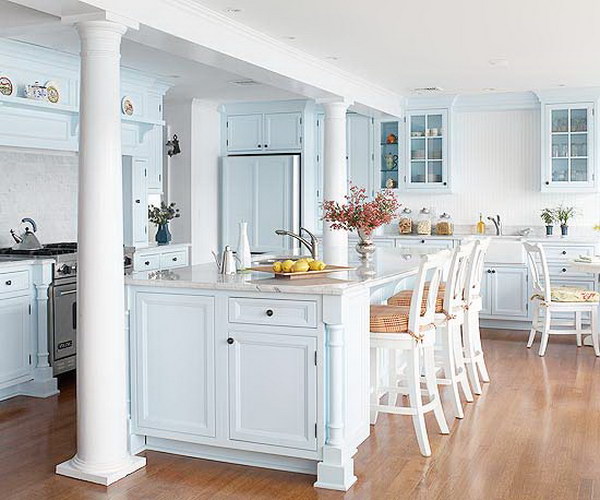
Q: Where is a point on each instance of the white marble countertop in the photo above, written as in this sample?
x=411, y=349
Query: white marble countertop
x=389, y=265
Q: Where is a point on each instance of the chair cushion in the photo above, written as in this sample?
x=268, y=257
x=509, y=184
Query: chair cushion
x=404, y=298
x=389, y=319
x=570, y=294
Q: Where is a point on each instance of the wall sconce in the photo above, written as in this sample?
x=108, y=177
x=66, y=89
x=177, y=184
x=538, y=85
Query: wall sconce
x=173, y=146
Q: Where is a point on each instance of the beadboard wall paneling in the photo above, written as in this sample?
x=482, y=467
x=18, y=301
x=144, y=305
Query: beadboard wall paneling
x=42, y=186
x=496, y=170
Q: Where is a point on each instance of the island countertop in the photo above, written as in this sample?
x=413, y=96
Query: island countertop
x=390, y=264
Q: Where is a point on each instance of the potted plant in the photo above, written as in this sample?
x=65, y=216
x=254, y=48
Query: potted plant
x=549, y=217
x=563, y=216
x=161, y=216
x=361, y=215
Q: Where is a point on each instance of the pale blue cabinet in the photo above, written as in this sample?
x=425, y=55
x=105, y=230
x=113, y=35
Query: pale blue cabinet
x=174, y=365
x=135, y=201
x=264, y=132
x=505, y=292
x=15, y=339
x=359, y=147
x=273, y=389
x=261, y=191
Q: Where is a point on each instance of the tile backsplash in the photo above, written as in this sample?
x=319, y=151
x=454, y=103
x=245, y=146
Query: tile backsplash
x=40, y=185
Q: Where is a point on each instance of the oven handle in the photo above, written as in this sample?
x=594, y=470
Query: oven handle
x=67, y=292
x=74, y=315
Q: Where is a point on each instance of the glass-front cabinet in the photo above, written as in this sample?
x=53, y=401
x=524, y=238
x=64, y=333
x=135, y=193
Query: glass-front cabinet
x=427, y=150
x=389, y=162
x=568, y=151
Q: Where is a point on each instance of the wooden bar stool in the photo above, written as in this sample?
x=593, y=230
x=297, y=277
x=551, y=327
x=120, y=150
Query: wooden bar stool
x=548, y=300
x=410, y=331
x=449, y=318
x=471, y=334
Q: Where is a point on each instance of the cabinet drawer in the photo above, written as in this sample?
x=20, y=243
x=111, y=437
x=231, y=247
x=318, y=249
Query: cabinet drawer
x=566, y=271
x=567, y=252
x=13, y=282
x=302, y=313
x=174, y=259
x=146, y=262
x=432, y=243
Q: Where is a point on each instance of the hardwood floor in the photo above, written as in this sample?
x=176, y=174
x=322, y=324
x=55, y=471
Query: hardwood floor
x=533, y=434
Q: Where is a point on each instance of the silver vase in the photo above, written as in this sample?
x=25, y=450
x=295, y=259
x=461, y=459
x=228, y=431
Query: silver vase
x=365, y=247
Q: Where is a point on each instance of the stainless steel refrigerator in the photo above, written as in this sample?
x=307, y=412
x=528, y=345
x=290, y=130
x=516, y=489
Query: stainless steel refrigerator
x=263, y=190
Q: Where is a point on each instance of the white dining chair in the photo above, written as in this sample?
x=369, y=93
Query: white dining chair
x=471, y=332
x=410, y=332
x=548, y=300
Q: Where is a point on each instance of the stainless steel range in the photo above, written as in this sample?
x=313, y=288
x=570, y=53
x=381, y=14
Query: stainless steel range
x=62, y=300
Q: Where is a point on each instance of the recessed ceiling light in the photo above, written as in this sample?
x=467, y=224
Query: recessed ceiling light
x=232, y=10
x=499, y=62
x=244, y=83
x=423, y=90
x=489, y=89
x=562, y=84
x=332, y=58
x=291, y=38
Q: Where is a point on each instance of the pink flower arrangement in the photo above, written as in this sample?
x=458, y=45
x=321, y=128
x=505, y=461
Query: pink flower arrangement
x=358, y=214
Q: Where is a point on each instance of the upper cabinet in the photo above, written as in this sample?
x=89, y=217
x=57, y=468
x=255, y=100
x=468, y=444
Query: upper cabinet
x=427, y=162
x=359, y=151
x=390, y=160
x=264, y=132
x=568, y=138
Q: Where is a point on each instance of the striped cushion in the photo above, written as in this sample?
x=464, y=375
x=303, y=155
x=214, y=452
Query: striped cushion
x=404, y=298
x=571, y=294
x=389, y=319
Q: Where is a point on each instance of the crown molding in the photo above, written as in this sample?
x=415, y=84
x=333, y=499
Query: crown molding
x=576, y=94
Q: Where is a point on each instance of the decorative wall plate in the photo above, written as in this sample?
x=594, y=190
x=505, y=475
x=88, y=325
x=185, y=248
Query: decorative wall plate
x=6, y=85
x=127, y=105
x=52, y=92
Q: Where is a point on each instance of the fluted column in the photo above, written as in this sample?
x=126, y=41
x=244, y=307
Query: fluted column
x=102, y=453
x=335, y=175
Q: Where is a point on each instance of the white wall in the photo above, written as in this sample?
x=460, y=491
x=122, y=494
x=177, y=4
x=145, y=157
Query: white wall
x=40, y=185
x=496, y=169
x=193, y=176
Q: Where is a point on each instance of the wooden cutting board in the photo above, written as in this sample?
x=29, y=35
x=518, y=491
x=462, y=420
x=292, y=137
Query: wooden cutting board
x=307, y=274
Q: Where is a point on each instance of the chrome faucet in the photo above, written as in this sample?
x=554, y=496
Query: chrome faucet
x=497, y=223
x=312, y=245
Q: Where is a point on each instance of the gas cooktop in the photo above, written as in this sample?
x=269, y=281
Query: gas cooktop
x=48, y=250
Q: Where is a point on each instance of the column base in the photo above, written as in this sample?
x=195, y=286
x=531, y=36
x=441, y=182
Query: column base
x=336, y=471
x=77, y=470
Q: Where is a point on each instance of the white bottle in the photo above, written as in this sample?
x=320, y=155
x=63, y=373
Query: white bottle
x=243, y=249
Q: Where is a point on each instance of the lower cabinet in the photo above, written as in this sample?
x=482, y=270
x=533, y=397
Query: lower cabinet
x=272, y=389
x=175, y=371
x=15, y=339
x=505, y=292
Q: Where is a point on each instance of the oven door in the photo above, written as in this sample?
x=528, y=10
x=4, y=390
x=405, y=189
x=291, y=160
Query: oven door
x=65, y=320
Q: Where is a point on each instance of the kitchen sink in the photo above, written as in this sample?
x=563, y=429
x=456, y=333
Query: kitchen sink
x=506, y=250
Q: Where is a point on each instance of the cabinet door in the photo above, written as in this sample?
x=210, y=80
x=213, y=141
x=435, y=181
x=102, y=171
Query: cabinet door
x=486, y=292
x=244, y=133
x=360, y=151
x=272, y=389
x=14, y=339
x=175, y=364
x=155, y=161
x=283, y=132
x=509, y=292
x=140, y=201
x=568, y=151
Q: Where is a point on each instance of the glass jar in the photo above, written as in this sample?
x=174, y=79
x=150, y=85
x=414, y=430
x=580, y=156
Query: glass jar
x=405, y=224
x=423, y=222
x=444, y=226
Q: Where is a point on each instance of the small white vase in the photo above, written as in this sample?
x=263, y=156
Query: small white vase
x=243, y=249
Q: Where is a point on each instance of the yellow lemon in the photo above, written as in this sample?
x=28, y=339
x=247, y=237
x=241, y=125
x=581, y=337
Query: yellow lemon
x=309, y=259
x=277, y=267
x=322, y=265
x=314, y=265
x=286, y=266
x=300, y=267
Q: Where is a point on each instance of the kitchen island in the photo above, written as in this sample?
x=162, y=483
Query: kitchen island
x=254, y=370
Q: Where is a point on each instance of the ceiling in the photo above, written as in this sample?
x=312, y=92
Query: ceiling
x=189, y=79
x=458, y=45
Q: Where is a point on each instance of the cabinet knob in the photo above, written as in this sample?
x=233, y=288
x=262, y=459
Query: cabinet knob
x=445, y=183
x=493, y=271
x=489, y=271
x=230, y=341
x=547, y=183
x=138, y=201
x=174, y=259
x=564, y=270
x=269, y=312
x=266, y=145
x=564, y=252
x=422, y=241
x=8, y=283
x=259, y=145
x=147, y=263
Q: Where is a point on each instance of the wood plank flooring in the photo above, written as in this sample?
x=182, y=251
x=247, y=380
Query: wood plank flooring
x=533, y=434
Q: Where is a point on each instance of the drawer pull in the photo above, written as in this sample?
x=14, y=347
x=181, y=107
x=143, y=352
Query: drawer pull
x=422, y=241
x=564, y=270
x=230, y=341
x=8, y=283
x=269, y=312
x=147, y=263
x=564, y=252
x=493, y=271
x=174, y=259
x=489, y=271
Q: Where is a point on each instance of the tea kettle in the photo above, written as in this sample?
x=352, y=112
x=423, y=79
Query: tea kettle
x=226, y=261
x=26, y=240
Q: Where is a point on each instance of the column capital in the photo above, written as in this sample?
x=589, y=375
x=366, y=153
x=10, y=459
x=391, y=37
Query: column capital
x=97, y=18
x=335, y=104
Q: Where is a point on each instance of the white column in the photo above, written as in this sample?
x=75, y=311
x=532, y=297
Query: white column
x=102, y=454
x=335, y=175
